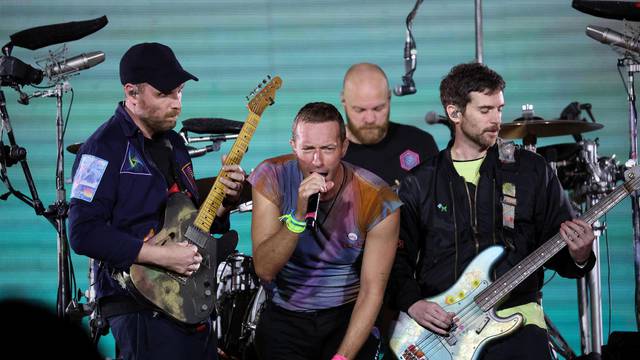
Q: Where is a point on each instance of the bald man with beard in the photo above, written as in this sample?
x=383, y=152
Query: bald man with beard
x=388, y=149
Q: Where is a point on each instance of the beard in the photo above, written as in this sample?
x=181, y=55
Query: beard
x=484, y=139
x=370, y=134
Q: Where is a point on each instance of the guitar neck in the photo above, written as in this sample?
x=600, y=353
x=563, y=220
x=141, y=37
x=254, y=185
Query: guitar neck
x=495, y=292
x=211, y=204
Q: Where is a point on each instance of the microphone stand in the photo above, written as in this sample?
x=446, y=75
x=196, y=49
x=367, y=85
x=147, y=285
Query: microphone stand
x=56, y=213
x=479, y=35
x=633, y=68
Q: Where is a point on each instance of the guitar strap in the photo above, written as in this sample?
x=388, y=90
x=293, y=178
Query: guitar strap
x=505, y=179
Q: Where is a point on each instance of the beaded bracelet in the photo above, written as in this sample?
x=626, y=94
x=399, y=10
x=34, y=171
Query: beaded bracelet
x=294, y=225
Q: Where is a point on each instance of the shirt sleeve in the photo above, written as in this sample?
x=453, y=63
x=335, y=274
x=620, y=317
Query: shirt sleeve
x=93, y=197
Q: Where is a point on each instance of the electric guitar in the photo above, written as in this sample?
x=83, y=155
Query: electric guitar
x=473, y=297
x=190, y=299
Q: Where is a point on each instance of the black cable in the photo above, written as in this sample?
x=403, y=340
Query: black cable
x=551, y=278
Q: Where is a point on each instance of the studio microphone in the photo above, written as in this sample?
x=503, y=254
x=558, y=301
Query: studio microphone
x=432, y=118
x=74, y=64
x=312, y=211
x=611, y=37
x=408, y=87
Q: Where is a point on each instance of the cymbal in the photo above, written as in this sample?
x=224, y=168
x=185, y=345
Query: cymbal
x=74, y=148
x=519, y=129
x=205, y=184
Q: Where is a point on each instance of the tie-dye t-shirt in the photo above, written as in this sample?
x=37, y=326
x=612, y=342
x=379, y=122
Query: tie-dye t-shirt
x=324, y=269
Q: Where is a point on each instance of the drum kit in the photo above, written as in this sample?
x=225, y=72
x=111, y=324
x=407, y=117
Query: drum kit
x=580, y=170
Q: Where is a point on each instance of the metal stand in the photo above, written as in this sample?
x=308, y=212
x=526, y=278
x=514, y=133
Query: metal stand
x=55, y=213
x=479, y=35
x=633, y=160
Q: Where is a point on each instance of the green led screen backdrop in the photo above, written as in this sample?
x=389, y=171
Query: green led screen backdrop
x=539, y=47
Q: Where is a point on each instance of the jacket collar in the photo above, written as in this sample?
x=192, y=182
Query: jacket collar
x=129, y=127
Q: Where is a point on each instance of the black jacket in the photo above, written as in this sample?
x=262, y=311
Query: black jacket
x=442, y=231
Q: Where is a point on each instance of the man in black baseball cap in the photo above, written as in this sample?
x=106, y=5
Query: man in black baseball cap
x=155, y=64
x=123, y=177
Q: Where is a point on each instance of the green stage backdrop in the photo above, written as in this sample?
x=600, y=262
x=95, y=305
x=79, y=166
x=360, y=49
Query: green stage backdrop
x=539, y=47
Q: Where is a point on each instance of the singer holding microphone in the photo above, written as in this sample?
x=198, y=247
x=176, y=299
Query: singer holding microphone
x=325, y=282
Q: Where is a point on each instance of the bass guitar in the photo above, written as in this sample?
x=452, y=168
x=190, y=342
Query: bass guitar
x=473, y=297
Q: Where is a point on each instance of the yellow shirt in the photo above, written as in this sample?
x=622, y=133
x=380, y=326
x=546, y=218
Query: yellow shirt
x=469, y=169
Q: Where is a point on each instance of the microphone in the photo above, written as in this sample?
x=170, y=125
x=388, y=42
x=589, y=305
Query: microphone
x=312, y=211
x=212, y=126
x=74, y=64
x=610, y=37
x=194, y=153
x=408, y=87
x=432, y=118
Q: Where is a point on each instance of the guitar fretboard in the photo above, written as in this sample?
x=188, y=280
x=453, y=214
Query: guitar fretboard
x=490, y=296
x=207, y=212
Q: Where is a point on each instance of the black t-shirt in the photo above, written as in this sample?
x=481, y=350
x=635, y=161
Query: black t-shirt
x=162, y=155
x=402, y=149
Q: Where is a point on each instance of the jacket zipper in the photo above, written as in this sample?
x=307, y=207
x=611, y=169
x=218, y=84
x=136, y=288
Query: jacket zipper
x=455, y=231
x=473, y=215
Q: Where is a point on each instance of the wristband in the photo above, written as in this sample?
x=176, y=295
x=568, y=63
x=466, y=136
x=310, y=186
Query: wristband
x=293, y=225
x=338, y=357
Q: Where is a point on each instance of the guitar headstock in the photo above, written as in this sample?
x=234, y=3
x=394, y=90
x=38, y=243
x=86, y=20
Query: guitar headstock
x=265, y=96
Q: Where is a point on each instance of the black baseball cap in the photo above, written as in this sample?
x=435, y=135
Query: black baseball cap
x=155, y=64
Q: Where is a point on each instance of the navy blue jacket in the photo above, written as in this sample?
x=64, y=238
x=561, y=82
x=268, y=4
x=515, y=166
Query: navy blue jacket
x=108, y=222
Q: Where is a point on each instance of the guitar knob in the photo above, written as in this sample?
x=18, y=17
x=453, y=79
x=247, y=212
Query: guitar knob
x=207, y=292
x=204, y=307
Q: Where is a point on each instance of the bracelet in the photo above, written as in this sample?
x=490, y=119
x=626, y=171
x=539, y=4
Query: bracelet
x=294, y=225
x=339, y=357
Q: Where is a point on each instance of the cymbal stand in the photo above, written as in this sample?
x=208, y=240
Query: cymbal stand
x=589, y=290
x=633, y=67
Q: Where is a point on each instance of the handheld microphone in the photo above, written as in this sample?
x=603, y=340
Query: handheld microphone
x=312, y=211
x=610, y=37
x=74, y=64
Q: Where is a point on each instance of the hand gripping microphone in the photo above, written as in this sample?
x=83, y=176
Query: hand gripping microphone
x=312, y=211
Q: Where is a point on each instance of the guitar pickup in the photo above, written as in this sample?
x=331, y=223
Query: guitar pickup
x=482, y=325
x=451, y=339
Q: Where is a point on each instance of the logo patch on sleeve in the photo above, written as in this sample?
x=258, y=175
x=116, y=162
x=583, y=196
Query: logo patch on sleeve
x=409, y=160
x=88, y=176
x=133, y=163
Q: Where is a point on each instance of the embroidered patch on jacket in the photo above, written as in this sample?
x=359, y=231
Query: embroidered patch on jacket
x=187, y=170
x=409, y=159
x=133, y=163
x=88, y=176
x=509, y=202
